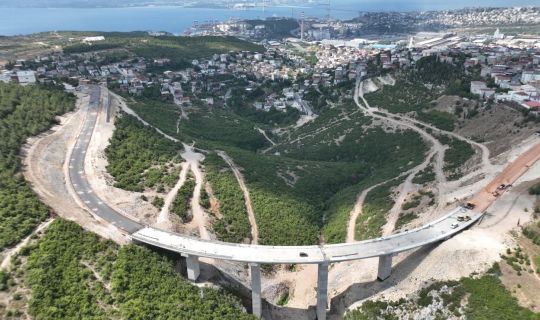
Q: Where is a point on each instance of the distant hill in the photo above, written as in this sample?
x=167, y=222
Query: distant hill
x=179, y=50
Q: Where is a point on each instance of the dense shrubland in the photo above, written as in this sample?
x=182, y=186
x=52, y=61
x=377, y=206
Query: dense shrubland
x=233, y=226
x=480, y=297
x=140, y=158
x=73, y=274
x=182, y=202
x=209, y=128
x=24, y=112
x=376, y=206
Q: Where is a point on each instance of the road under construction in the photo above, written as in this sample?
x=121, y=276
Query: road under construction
x=192, y=248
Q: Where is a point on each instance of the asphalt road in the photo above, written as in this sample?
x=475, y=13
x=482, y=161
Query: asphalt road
x=77, y=173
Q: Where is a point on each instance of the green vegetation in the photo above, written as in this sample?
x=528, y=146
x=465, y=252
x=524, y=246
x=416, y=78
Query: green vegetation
x=455, y=156
x=535, y=190
x=73, y=274
x=24, y=112
x=179, y=50
x=338, y=210
x=4, y=280
x=139, y=157
x=517, y=259
x=376, y=205
x=211, y=128
x=405, y=96
x=242, y=105
x=413, y=203
x=531, y=233
x=294, y=193
x=277, y=28
x=158, y=202
x=283, y=299
x=480, y=298
x=404, y=219
x=425, y=176
x=234, y=225
x=181, y=203
x=442, y=120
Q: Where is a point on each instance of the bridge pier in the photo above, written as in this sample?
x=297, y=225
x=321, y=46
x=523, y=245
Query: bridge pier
x=193, y=267
x=385, y=267
x=322, y=290
x=256, y=303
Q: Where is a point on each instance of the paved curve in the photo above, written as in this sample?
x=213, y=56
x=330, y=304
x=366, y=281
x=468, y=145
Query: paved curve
x=77, y=175
x=438, y=230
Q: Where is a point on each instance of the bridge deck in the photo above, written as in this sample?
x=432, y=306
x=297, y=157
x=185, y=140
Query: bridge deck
x=432, y=232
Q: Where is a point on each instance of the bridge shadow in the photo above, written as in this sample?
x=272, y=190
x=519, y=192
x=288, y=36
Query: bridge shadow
x=338, y=305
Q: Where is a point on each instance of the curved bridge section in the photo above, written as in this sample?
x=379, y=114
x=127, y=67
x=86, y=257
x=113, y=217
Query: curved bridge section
x=192, y=248
x=438, y=230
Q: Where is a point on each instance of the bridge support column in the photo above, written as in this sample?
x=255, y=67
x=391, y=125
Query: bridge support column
x=256, y=302
x=322, y=290
x=385, y=267
x=193, y=267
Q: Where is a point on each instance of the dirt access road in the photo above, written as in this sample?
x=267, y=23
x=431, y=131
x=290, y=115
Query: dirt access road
x=508, y=176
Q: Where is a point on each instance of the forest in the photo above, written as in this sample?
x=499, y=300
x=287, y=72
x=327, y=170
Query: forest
x=74, y=274
x=24, y=112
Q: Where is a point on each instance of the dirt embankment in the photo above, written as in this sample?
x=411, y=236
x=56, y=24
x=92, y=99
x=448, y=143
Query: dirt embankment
x=45, y=167
x=500, y=128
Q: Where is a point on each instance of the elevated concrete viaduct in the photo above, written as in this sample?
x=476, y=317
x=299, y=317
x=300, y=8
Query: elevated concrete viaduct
x=323, y=255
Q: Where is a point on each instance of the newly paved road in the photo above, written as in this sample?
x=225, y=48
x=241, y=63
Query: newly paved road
x=438, y=230
x=77, y=173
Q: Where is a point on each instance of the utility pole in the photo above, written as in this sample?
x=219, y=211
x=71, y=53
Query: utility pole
x=328, y=9
x=302, y=26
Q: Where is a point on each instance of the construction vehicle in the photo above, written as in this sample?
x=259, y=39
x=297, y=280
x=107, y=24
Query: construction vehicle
x=470, y=205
